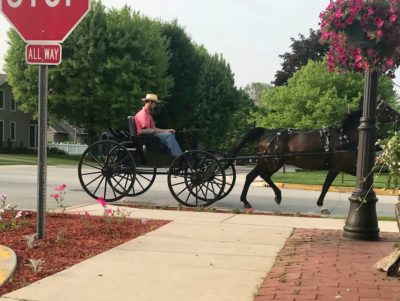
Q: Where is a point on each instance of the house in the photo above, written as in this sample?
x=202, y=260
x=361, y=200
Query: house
x=63, y=131
x=17, y=129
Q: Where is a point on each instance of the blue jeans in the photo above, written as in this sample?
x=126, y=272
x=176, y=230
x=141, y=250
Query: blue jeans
x=168, y=139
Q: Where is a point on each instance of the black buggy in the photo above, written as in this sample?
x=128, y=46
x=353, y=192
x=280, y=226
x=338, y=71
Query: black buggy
x=113, y=170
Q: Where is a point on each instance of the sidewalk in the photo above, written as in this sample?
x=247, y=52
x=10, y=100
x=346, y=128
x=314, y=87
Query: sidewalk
x=216, y=257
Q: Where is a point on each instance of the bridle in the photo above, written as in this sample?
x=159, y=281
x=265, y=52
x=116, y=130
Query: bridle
x=384, y=108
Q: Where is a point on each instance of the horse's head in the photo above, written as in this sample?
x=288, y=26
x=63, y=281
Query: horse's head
x=386, y=114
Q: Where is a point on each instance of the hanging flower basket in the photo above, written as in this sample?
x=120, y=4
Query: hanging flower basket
x=362, y=34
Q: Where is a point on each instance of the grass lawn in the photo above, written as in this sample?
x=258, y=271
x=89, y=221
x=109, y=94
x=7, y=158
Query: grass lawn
x=31, y=159
x=318, y=178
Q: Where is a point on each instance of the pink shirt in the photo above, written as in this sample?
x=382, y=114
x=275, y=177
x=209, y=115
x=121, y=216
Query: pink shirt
x=143, y=120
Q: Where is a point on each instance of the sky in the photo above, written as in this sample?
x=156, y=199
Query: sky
x=250, y=34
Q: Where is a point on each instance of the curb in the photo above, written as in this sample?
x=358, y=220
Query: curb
x=378, y=191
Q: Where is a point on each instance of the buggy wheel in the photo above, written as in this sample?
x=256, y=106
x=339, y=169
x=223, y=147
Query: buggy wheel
x=106, y=170
x=145, y=175
x=196, y=179
x=230, y=176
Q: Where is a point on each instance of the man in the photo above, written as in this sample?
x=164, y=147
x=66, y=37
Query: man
x=145, y=125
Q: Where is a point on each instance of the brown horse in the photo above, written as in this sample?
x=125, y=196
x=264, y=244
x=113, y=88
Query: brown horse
x=333, y=149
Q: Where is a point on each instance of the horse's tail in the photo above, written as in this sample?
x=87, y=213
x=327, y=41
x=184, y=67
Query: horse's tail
x=251, y=135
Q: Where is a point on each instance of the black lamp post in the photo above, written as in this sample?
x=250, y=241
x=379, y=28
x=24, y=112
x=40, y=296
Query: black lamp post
x=362, y=220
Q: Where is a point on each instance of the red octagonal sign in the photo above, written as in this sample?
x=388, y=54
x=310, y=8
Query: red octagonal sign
x=44, y=20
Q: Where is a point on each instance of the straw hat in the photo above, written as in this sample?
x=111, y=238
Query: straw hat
x=151, y=97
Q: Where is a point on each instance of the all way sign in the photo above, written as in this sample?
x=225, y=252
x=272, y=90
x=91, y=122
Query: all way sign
x=49, y=54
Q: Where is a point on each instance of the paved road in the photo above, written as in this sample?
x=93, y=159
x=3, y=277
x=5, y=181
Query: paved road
x=19, y=183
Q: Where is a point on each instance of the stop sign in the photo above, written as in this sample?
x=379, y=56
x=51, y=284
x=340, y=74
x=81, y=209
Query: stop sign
x=42, y=21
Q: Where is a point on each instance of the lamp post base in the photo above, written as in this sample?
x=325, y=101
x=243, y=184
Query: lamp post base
x=362, y=220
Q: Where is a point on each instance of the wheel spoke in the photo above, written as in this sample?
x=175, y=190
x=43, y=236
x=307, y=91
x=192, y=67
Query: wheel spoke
x=180, y=183
x=101, y=156
x=97, y=188
x=93, y=180
x=112, y=187
x=187, y=199
x=137, y=181
x=119, y=182
x=105, y=189
x=95, y=159
x=204, y=194
x=91, y=173
x=196, y=195
x=185, y=188
x=84, y=163
x=138, y=174
x=212, y=189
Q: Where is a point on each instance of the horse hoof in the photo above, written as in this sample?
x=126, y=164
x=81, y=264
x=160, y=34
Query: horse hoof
x=320, y=203
x=325, y=211
x=247, y=206
x=278, y=200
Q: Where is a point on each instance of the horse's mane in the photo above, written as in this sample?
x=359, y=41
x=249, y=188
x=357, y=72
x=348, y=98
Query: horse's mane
x=351, y=120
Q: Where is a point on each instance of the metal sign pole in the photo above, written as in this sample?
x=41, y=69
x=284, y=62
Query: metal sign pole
x=42, y=152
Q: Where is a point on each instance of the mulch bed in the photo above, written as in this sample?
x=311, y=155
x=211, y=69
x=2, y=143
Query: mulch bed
x=69, y=239
x=321, y=265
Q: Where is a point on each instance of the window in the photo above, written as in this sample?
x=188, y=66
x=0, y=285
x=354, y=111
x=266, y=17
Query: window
x=33, y=134
x=1, y=130
x=13, y=105
x=2, y=95
x=13, y=131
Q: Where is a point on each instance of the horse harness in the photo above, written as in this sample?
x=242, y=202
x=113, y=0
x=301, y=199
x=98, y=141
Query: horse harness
x=325, y=133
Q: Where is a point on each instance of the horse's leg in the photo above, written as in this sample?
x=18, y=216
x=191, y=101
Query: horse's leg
x=278, y=194
x=254, y=173
x=332, y=173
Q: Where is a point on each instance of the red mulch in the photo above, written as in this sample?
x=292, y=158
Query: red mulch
x=321, y=265
x=69, y=239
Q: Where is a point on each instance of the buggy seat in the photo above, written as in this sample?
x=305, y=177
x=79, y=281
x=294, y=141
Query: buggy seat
x=148, y=146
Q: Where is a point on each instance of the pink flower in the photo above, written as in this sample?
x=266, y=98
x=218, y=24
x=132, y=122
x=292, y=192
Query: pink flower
x=379, y=22
x=325, y=35
x=371, y=11
x=61, y=187
x=108, y=211
x=338, y=14
x=358, y=58
x=390, y=62
x=349, y=21
x=102, y=202
x=55, y=196
x=87, y=215
x=376, y=19
x=19, y=214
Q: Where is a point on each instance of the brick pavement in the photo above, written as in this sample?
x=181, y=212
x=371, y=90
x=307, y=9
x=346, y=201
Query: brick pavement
x=321, y=265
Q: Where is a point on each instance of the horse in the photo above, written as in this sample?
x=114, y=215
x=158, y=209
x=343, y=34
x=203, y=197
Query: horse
x=333, y=149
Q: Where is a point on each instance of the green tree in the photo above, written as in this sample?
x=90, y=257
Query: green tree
x=255, y=90
x=302, y=50
x=216, y=100
x=315, y=97
x=184, y=67
x=240, y=121
x=109, y=62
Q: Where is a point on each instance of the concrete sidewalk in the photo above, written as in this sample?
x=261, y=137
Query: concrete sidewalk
x=198, y=256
